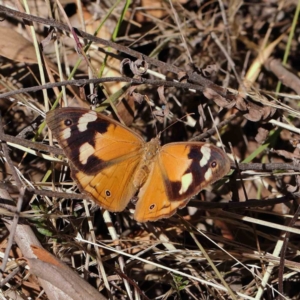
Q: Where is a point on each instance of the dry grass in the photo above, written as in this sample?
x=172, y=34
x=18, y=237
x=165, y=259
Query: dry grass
x=237, y=65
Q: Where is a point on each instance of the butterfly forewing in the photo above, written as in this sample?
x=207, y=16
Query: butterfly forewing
x=190, y=167
x=92, y=141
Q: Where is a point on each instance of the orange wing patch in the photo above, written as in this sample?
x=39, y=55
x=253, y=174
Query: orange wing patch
x=153, y=200
x=113, y=187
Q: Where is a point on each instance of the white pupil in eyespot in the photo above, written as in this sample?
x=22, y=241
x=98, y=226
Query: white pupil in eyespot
x=68, y=122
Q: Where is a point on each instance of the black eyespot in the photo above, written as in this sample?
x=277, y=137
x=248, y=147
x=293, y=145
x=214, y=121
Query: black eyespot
x=152, y=206
x=213, y=164
x=68, y=122
x=107, y=193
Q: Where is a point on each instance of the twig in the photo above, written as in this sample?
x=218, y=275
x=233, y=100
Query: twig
x=82, y=82
x=194, y=77
x=211, y=131
x=283, y=250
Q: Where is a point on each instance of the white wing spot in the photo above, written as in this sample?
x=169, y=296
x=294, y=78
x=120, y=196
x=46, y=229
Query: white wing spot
x=208, y=175
x=66, y=133
x=85, y=151
x=205, y=150
x=186, y=181
x=85, y=119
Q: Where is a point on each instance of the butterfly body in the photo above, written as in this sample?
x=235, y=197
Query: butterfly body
x=112, y=164
x=150, y=151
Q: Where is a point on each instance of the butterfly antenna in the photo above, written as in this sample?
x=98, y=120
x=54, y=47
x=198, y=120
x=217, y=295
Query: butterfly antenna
x=176, y=121
x=152, y=113
x=216, y=128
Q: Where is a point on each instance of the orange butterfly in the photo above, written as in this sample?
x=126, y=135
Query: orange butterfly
x=112, y=164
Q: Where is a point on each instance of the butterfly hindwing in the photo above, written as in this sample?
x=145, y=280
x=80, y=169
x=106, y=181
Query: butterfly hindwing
x=113, y=187
x=153, y=202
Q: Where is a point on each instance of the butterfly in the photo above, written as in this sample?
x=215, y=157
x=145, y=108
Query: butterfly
x=112, y=164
